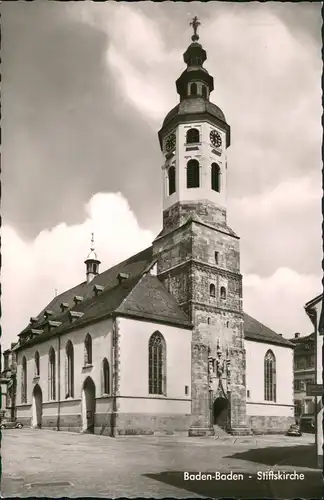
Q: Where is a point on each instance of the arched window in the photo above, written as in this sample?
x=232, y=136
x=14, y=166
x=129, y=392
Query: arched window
x=24, y=380
x=171, y=180
x=223, y=293
x=157, y=364
x=215, y=177
x=193, y=89
x=192, y=136
x=88, y=350
x=36, y=364
x=204, y=92
x=270, y=377
x=208, y=321
x=105, y=377
x=193, y=174
x=69, y=370
x=51, y=375
x=212, y=290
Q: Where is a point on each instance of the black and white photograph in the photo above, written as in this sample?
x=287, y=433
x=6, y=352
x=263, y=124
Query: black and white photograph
x=161, y=249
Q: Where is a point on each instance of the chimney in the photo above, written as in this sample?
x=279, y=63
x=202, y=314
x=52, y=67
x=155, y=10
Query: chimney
x=122, y=277
x=297, y=335
x=280, y=334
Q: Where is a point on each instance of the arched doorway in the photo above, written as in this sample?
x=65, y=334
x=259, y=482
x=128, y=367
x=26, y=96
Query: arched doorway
x=88, y=405
x=220, y=412
x=37, y=407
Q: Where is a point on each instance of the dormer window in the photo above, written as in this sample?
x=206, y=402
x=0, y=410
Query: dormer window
x=48, y=313
x=122, y=277
x=64, y=306
x=98, y=289
x=78, y=299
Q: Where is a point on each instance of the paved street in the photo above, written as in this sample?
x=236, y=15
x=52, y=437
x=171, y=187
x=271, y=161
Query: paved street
x=60, y=464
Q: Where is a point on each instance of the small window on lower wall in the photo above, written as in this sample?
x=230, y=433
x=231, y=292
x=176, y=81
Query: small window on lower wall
x=248, y=394
x=186, y=390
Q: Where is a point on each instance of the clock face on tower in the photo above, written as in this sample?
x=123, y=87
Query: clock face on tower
x=170, y=142
x=215, y=138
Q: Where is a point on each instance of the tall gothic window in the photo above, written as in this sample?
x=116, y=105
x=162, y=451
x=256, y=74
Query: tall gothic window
x=215, y=177
x=105, y=377
x=69, y=370
x=223, y=293
x=270, y=377
x=51, y=375
x=157, y=364
x=193, y=174
x=212, y=290
x=192, y=136
x=171, y=180
x=88, y=350
x=36, y=364
x=24, y=380
x=193, y=89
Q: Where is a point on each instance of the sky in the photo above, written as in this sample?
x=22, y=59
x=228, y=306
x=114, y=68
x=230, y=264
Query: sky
x=85, y=89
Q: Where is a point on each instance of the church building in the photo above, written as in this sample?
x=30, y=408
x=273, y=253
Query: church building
x=159, y=344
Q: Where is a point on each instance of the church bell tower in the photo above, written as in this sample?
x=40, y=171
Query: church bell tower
x=198, y=256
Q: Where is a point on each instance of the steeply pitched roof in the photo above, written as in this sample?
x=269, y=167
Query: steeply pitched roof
x=150, y=299
x=304, y=339
x=140, y=296
x=134, y=266
x=254, y=330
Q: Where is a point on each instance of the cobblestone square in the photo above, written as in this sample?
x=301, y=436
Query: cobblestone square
x=59, y=464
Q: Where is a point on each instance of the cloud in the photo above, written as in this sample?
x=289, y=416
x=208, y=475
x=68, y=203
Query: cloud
x=280, y=227
x=31, y=271
x=278, y=300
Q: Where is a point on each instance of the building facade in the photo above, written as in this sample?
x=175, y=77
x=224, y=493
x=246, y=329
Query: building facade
x=165, y=330
x=304, y=374
x=315, y=312
x=9, y=384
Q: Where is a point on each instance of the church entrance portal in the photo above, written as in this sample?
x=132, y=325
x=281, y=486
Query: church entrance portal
x=88, y=405
x=220, y=412
x=37, y=407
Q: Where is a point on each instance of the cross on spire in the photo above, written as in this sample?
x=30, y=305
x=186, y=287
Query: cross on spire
x=92, y=242
x=195, y=23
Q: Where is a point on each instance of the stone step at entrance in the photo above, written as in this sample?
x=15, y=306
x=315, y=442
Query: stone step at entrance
x=219, y=431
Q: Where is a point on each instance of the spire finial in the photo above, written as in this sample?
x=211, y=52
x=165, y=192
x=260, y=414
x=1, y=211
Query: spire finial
x=195, y=23
x=92, y=242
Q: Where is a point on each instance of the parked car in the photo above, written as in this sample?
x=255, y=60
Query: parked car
x=10, y=424
x=294, y=430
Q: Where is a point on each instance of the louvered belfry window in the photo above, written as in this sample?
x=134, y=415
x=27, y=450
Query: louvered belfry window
x=193, y=174
x=215, y=177
x=172, y=180
x=270, y=377
x=156, y=364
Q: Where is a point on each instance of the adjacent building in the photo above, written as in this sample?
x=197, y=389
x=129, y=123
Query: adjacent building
x=304, y=374
x=8, y=383
x=315, y=312
x=160, y=343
